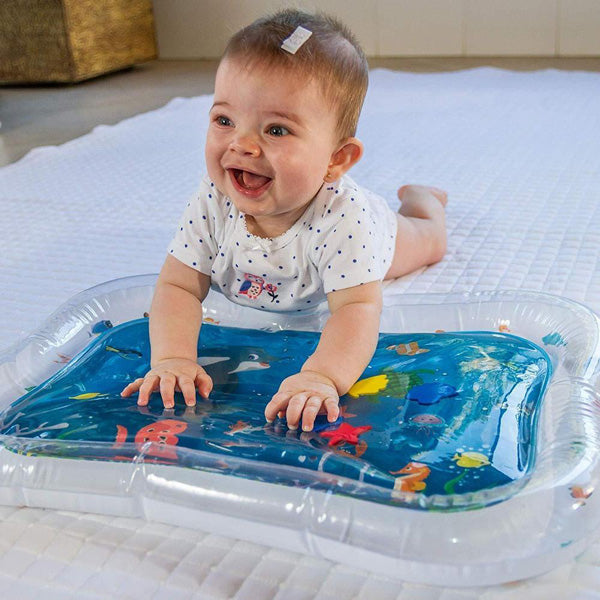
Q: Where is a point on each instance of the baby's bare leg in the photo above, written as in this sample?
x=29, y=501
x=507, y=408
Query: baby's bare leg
x=421, y=238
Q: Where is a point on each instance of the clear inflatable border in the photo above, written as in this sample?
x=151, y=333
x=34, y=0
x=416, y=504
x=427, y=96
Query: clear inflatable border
x=552, y=518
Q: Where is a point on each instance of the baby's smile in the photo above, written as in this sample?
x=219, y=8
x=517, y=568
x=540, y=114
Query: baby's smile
x=249, y=183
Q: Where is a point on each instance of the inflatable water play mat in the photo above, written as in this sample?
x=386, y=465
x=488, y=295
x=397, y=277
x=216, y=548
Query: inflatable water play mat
x=466, y=453
x=434, y=413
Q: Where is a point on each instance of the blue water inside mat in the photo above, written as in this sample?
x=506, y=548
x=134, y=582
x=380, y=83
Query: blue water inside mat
x=433, y=413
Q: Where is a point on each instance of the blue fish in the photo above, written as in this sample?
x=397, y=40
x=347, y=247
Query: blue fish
x=321, y=423
x=101, y=326
x=554, y=339
x=431, y=393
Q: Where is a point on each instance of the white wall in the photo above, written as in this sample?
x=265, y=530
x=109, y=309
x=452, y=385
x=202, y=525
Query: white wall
x=200, y=28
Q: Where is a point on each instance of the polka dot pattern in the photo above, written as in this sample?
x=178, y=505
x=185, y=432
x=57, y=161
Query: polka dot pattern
x=345, y=238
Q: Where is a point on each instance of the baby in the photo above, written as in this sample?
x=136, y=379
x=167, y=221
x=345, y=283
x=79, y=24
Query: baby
x=277, y=223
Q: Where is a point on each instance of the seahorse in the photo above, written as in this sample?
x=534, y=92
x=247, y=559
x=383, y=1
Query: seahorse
x=412, y=478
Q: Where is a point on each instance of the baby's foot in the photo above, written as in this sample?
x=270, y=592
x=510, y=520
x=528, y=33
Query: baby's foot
x=421, y=201
x=424, y=208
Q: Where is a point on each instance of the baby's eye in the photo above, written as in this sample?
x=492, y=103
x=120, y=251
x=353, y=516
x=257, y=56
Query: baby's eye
x=223, y=121
x=277, y=131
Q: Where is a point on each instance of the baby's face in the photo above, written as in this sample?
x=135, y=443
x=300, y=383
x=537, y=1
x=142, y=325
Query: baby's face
x=270, y=140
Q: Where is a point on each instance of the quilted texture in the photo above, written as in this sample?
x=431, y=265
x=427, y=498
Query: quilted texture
x=519, y=154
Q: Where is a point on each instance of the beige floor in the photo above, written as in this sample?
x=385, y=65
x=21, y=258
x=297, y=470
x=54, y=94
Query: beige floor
x=34, y=116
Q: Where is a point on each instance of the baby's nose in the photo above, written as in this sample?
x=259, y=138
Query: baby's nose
x=246, y=144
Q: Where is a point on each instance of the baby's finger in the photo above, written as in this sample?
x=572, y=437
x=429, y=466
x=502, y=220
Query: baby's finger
x=333, y=408
x=188, y=389
x=294, y=409
x=309, y=414
x=132, y=387
x=148, y=386
x=204, y=383
x=167, y=390
x=277, y=405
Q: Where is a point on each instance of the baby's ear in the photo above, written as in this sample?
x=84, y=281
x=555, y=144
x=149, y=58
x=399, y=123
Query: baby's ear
x=349, y=152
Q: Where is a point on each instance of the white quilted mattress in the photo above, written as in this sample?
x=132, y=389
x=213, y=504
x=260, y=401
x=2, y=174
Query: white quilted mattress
x=519, y=154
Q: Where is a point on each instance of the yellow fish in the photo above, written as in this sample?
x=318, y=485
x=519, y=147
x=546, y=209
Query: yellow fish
x=86, y=396
x=471, y=460
x=409, y=349
x=369, y=386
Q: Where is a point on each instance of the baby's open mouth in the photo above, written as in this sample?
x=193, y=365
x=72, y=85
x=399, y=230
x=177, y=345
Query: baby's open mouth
x=249, y=181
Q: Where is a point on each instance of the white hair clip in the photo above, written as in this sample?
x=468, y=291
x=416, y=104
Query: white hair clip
x=293, y=43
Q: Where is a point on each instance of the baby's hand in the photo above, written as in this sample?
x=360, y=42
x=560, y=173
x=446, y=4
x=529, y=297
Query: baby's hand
x=170, y=375
x=304, y=394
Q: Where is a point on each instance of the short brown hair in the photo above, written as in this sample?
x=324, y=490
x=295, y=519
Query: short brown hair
x=331, y=54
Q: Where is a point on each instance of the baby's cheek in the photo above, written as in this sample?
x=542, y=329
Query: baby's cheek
x=306, y=184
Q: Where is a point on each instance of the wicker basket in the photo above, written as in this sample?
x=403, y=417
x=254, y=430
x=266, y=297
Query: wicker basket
x=72, y=40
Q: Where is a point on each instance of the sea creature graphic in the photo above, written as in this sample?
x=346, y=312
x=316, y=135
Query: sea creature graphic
x=90, y=396
x=468, y=460
x=322, y=423
x=427, y=423
x=253, y=286
x=223, y=363
x=504, y=326
x=239, y=426
x=344, y=433
x=408, y=349
x=431, y=393
x=62, y=358
x=344, y=414
x=242, y=427
x=411, y=478
x=471, y=460
x=359, y=450
x=388, y=383
x=162, y=433
x=554, y=339
x=369, y=386
x=101, y=327
x=427, y=419
x=581, y=493
x=128, y=353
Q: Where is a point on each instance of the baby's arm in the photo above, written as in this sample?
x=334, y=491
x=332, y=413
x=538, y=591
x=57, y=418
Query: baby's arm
x=346, y=346
x=175, y=320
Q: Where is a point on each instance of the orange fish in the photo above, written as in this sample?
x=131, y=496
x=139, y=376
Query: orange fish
x=62, y=358
x=579, y=492
x=239, y=426
x=409, y=349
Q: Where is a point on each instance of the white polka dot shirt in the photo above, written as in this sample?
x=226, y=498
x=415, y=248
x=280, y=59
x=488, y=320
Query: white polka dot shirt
x=345, y=238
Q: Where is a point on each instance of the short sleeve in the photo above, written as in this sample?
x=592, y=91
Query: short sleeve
x=348, y=251
x=196, y=240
